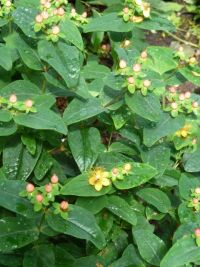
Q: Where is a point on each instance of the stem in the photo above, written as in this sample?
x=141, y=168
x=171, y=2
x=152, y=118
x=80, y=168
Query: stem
x=115, y=100
x=181, y=40
x=44, y=86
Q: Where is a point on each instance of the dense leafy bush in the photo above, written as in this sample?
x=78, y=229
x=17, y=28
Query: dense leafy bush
x=100, y=154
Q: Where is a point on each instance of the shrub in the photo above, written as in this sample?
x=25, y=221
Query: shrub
x=100, y=155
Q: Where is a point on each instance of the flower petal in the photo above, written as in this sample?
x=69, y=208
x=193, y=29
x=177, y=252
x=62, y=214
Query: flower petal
x=98, y=186
x=106, y=182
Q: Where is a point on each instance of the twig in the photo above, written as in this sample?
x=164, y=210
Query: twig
x=183, y=41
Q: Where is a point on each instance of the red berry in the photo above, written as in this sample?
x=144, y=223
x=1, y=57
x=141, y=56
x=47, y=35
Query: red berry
x=39, y=197
x=197, y=232
x=54, y=179
x=137, y=67
x=48, y=188
x=64, y=205
x=30, y=188
x=28, y=103
x=13, y=99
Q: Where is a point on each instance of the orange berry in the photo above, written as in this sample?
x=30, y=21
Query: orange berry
x=172, y=89
x=115, y=171
x=195, y=201
x=48, y=188
x=64, y=205
x=39, y=197
x=197, y=232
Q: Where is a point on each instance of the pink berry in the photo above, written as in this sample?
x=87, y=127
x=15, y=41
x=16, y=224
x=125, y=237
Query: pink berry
x=28, y=103
x=54, y=179
x=137, y=67
x=48, y=188
x=172, y=89
x=126, y=10
x=147, y=83
x=122, y=64
x=197, y=190
x=143, y=54
x=61, y=11
x=55, y=30
x=197, y=232
x=174, y=105
x=130, y=80
x=45, y=14
x=195, y=201
x=187, y=94
x=39, y=18
x=64, y=205
x=195, y=104
x=181, y=97
x=39, y=197
x=84, y=15
x=30, y=188
x=115, y=171
x=13, y=99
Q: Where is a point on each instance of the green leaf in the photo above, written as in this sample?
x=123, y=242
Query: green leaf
x=183, y=252
x=166, y=125
x=10, y=199
x=5, y=116
x=64, y=59
x=108, y=22
x=44, y=164
x=24, y=17
x=30, y=143
x=187, y=182
x=79, y=186
x=27, y=54
x=158, y=157
x=121, y=208
x=18, y=163
x=79, y=110
x=156, y=198
x=85, y=145
x=151, y=247
x=5, y=58
x=7, y=128
x=191, y=75
x=44, y=119
x=11, y=259
x=23, y=89
x=93, y=70
x=71, y=33
x=40, y=255
x=147, y=107
x=94, y=205
x=80, y=224
x=16, y=233
x=161, y=59
x=192, y=163
x=141, y=173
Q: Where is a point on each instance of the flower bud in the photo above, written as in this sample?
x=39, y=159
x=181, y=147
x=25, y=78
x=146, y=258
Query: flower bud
x=147, y=83
x=39, y=197
x=54, y=179
x=122, y=64
x=174, y=105
x=195, y=104
x=30, y=188
x=197, y=232
x=55, y=30
x=137, y=67
x=13, y=99
x=48, y=188
x=64, y=205
x=187, y=94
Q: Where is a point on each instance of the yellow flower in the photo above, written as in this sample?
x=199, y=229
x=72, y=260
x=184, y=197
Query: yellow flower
x=136, y=19
x=146, y=9
x=99, y=178
x=184, y=132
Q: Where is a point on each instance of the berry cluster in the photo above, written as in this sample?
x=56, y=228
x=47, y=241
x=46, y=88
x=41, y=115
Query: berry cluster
x=184, y=57
x=180, y=102
x=6, y=7
x=77, y=18
x=135, y=78
x=15, y=105
x=42, y=196
x=135, y=11
x=99, y=177
x=195, y=199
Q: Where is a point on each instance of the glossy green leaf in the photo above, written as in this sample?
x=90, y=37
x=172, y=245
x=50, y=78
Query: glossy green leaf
x=80, y=224
x=93, y=204
x=16, y=233
x=5, y=58
x=156, y=198
x=151, y=247
x=5, y=116
x=121, y=208
x=7, y=128
x=187, y=182
x=192, y=163
x=85, y=145
x=141, y=173
x=183, y=252
x=191, y=75
x=147, y=107
x=44, y=164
